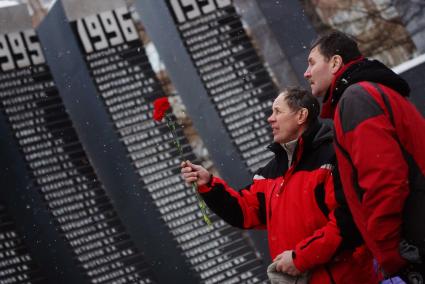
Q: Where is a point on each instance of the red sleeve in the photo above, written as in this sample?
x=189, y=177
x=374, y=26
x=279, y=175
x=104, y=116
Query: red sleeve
x=322, y=245
x=368, y=136
x=244, y=209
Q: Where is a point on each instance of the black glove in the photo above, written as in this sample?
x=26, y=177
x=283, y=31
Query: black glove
x=413, y=274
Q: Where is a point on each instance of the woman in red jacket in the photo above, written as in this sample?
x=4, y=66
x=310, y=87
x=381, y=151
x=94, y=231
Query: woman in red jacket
x=296, y=197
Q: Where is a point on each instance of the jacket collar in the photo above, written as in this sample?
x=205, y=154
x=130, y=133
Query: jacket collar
x=312, y=138
x=358, y=70
x=330, y=99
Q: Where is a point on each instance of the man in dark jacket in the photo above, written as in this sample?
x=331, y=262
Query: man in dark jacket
x=379, y=142
x=295, y=197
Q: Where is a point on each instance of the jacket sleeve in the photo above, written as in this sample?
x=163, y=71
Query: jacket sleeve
x=244, y=209
x=380, y=170
x=321, y=246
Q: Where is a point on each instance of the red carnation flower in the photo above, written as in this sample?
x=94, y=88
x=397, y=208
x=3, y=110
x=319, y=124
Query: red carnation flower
x=160, y=107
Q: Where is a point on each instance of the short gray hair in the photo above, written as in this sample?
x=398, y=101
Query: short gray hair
x=298, y=98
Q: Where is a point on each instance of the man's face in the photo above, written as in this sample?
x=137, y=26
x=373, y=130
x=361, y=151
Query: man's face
x=284, y=121
x=319, y=72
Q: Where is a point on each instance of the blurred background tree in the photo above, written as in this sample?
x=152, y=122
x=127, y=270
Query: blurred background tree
x=392, y=31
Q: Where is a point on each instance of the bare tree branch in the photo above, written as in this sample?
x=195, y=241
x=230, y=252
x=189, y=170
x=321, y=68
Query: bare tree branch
x=378, y=26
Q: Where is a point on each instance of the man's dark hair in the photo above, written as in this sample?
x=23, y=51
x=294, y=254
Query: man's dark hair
x=337, y=43
x=298, y=98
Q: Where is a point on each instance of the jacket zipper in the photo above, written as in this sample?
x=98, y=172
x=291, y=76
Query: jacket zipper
x=291, y=169
x=285, y=180
x=331, y=278
x=270, y=202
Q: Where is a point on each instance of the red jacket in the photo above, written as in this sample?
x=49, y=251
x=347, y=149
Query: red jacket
x=299, y=208
x=375, y=154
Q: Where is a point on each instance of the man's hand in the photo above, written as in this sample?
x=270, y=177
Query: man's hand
x=286, y=263
x=194, y=173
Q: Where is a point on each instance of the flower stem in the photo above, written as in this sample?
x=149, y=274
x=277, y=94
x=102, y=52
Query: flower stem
x=201, y=203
